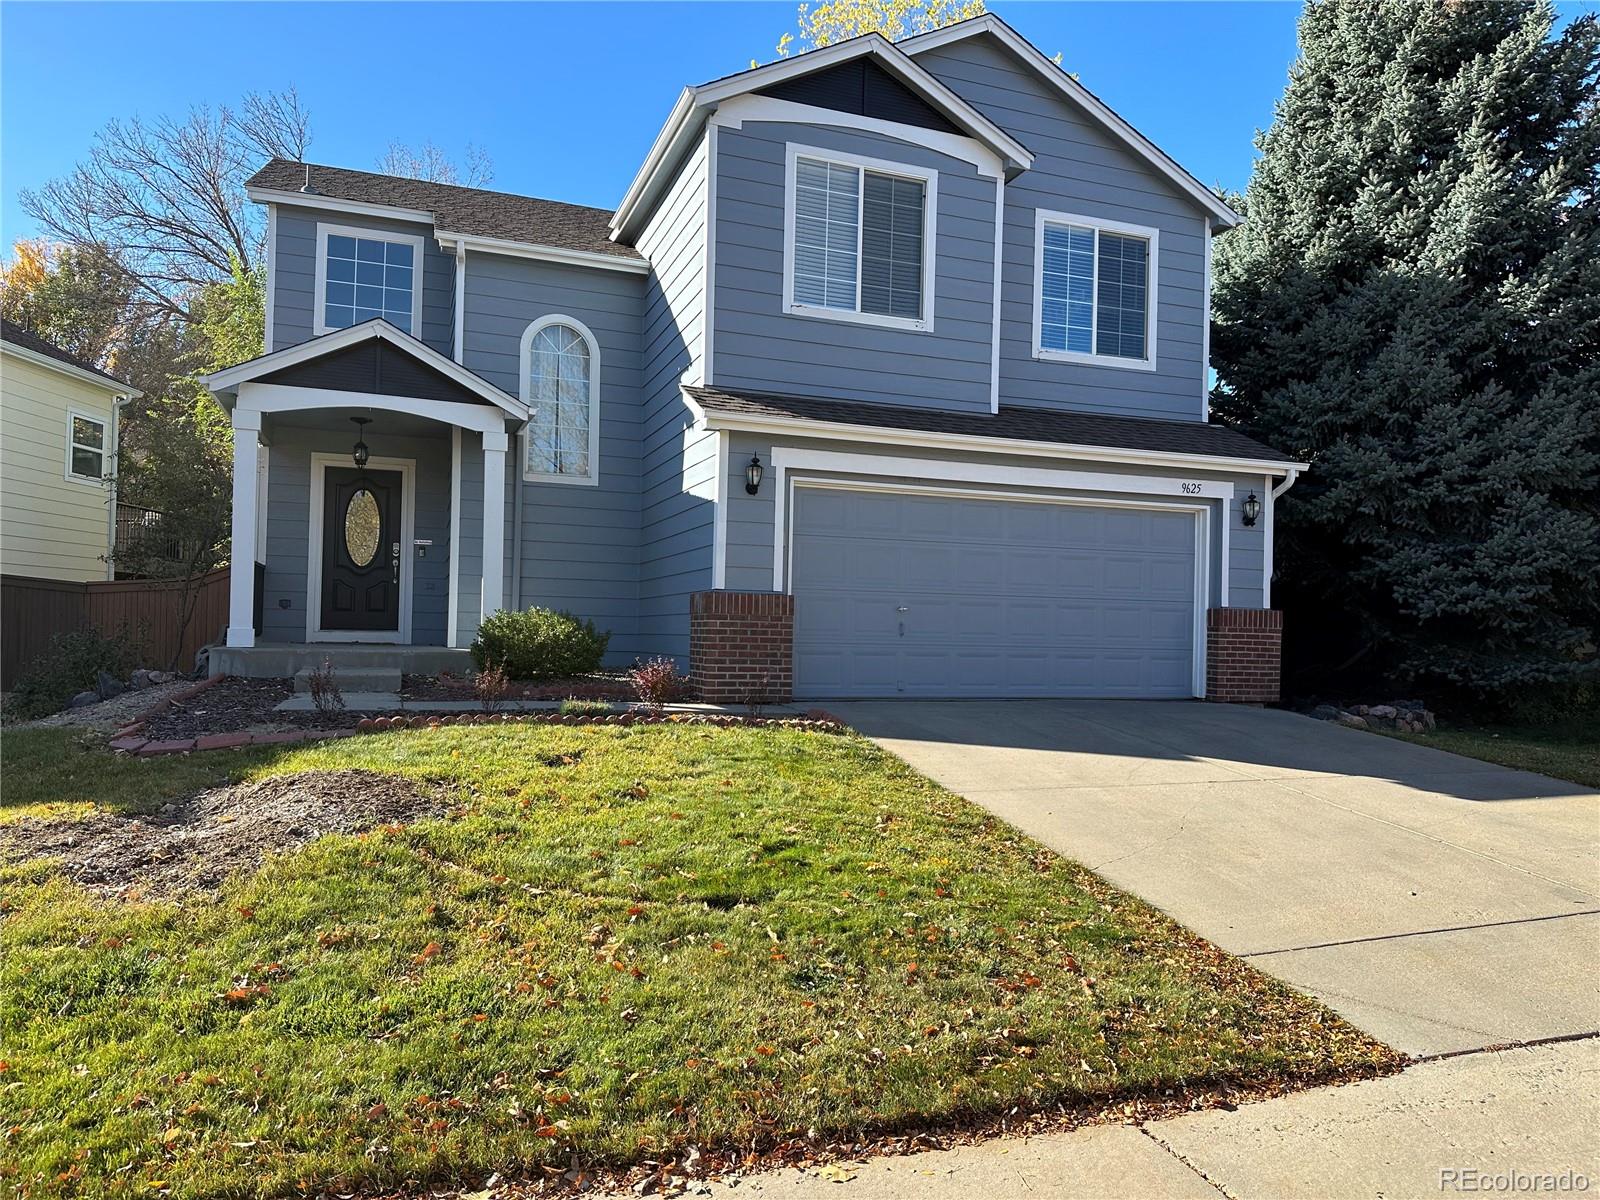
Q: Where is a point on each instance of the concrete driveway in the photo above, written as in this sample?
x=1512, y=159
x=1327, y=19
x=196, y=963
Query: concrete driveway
x=1440, y=903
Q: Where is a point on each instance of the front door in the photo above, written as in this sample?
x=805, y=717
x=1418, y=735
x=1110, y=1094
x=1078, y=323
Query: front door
x=361, y=550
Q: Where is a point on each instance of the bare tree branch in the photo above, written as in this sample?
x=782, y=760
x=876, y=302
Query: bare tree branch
x=430, y=163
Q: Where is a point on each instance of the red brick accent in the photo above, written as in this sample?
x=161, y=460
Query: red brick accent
x=1243, y=646
x=741, y=646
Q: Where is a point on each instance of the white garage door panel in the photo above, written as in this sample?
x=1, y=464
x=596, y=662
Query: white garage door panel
x=1002, y=597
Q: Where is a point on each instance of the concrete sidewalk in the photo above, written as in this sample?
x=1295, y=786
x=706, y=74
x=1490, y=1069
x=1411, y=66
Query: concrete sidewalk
x=1520, y=1116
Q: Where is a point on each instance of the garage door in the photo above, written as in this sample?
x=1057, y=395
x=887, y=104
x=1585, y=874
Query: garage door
x=911, y=594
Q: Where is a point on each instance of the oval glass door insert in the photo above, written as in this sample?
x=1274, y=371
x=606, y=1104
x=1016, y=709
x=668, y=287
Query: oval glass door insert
x=361, y=528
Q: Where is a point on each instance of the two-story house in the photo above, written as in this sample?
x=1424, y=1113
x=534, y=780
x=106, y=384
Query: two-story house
x=887, y=377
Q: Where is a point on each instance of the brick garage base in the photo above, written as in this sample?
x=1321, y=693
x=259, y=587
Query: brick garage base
x=741, y=646
x=1243, y=648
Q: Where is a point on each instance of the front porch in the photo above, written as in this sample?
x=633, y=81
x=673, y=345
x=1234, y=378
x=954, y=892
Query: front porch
x=398, y=545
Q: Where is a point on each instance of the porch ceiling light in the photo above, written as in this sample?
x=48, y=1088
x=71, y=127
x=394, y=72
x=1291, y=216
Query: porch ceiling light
x=1251, y=508
x=360, y=451
x=752, y=475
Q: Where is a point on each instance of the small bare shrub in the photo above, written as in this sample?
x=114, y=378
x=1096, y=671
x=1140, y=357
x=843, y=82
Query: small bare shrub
x=491, y=685
x=325, y=692
x=759, y=695
x=656, y=682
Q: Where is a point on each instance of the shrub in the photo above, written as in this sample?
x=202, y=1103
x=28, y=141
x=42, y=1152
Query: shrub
x=69, y=665
x=326, y=693
x=574, y=707
x=539, y=643
x=656, y=682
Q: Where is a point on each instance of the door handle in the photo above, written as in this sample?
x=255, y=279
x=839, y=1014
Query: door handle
x=902, y=608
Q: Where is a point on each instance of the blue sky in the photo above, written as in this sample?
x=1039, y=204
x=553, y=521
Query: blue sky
x=565, y=97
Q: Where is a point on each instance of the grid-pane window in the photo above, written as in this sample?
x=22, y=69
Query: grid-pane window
x=1094, y=291
x=826, y=230
x=86, y=448
x=891, y=245
x=367, y=278
x=858, y=239
x=560, y=402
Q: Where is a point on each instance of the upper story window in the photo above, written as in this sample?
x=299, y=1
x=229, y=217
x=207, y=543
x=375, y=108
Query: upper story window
x=561, y=387
x=86, y=448
x=859, y=239
x=1094, y=291
x=364, y=273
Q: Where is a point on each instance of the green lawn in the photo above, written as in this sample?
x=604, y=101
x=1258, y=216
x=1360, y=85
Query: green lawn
x=1569, y=751
x=669, y=936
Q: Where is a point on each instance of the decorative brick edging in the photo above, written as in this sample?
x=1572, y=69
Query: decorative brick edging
x=815, y=721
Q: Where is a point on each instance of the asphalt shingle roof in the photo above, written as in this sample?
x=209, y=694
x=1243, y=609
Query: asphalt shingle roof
x=1020, y=424
x=457, y=209
x=18, y=336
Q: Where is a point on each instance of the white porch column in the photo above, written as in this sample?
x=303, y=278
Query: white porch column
x=242, y=572
x=494, y=521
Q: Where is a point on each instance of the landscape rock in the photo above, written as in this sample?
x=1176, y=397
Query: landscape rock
x=84, y=699
x=1325, y=712
x=140, y=679
x=107, y=685
x=1353, y=721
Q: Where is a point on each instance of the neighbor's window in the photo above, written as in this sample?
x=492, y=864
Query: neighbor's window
x=1095, y=291
x=362, y=275
x=860, y=240
x=561, y=387
x=86, y=448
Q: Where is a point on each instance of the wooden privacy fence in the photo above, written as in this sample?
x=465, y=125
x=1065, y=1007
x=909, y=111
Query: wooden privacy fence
x=32, y=611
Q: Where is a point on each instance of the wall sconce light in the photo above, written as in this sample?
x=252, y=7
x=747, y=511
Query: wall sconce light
x=752, y=475
x=1251, y=508
x=360, y=451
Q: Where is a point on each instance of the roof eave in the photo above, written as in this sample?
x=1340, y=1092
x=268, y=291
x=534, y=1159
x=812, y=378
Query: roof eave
x=711, y=419
x=72, y=370
x=1222, y=215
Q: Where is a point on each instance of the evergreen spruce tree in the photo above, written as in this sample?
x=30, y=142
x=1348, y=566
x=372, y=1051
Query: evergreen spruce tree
x=1413, y=304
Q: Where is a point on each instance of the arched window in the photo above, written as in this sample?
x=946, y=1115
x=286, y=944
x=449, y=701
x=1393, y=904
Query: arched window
x=561, y=387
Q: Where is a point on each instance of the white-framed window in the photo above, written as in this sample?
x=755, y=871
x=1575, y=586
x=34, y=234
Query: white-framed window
x=1094, y=291
x=86, y=447
x=859, y=237
x=367, y=273
x=561, y=387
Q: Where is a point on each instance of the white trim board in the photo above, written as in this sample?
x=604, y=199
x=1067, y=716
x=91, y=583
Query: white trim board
x=34, y=358
x=316, y=200
x=542, y=252
x=929, y=178
x=1030, y=54
x=270, y=299
x=787, y=505
x=453, y=607
x=320, y=462
x=278, y=397
x=720, y=497
x=1151, y=236
x=319, y=299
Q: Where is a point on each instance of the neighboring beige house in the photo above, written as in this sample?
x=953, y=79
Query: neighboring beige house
x=58, y=432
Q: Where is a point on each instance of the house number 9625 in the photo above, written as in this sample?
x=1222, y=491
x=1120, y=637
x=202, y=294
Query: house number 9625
x=1191, y=489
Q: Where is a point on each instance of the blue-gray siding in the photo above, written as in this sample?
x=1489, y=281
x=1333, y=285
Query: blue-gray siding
x=678, y=466
x=295, y=266
x=758, y=345
x=579, y=543
x=1080, y=168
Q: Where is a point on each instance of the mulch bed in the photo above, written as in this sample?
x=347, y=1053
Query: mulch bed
x=235, y=704
x=445, y=686
x=196, y=843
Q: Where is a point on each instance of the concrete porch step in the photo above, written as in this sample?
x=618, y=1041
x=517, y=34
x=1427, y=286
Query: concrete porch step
x=354, y=679
x=283, y=660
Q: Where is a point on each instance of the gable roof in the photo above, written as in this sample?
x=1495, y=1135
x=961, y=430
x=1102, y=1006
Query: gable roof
x=36, y=347
x=695, y=105
x=1223, y=216
x=331, y=345
x=474, y=212
x=1132, y=438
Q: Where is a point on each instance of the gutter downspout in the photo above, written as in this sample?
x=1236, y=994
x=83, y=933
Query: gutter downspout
x=516, y=523
x=1268, y=566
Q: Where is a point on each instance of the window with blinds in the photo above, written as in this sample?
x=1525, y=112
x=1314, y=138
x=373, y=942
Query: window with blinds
x=1094, y=291
x=858, y=240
